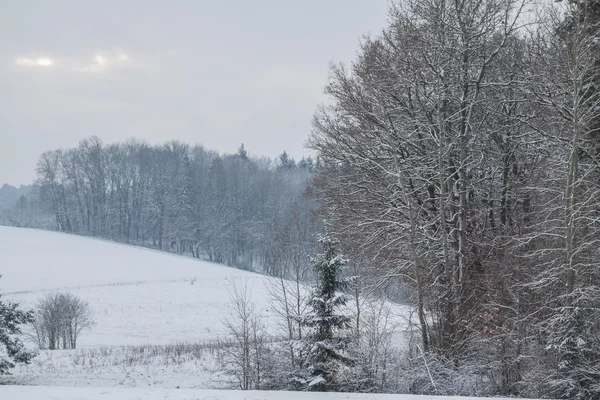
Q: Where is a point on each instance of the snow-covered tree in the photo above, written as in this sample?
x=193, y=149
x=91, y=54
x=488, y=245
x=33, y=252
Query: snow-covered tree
x=227, y=208
x=568, y=279
x=325, y=346
x=245, y=354
x=12, y=349
x=59, y=320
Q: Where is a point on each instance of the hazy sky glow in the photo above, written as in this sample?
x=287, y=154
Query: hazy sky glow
x=213, y=72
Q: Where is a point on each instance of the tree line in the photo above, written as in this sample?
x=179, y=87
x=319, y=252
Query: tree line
x=247, y=212
x=461, y=154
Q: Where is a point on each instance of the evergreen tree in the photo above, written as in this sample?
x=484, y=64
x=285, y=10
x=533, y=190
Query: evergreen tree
x=12, y=350
x=242, y=153
x=306, y=163
x=285, y=161
x=325, y=347
x=574, y=341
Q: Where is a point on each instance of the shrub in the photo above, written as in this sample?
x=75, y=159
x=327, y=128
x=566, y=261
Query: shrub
x=59, y=320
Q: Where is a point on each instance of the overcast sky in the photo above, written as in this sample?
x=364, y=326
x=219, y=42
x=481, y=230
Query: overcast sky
x=213, y=72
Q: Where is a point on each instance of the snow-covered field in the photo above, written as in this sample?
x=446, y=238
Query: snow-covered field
x=144, y=305
x=154, y=328
x=154, y=331
x=65, y=393
x=138, y=296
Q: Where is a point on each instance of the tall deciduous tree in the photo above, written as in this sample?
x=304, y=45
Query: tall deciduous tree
x=408, y=171
x=567, y=83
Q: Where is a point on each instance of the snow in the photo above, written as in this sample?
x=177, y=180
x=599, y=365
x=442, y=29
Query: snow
x=317, y=381
x=137, y=295
x=122, y=367
x=68, y=393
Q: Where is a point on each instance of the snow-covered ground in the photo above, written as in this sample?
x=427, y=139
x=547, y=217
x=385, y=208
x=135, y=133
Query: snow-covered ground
x=138, y=296
x=155, y=331
x=144, y=305
x=141, y=300
x=68, y=393
x=189, y=366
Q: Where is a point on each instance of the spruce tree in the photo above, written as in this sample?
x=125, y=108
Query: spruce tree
x=325, y=347
x=12, y=349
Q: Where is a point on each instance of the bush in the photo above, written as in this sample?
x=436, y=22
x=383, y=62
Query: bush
x=244, y=354
x=59, y=319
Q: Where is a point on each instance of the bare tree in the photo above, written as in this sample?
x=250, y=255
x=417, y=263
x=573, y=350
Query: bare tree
x=227, y=208
x=403, y=152
x=245, y=355
x=568, y=235
x=59, y=320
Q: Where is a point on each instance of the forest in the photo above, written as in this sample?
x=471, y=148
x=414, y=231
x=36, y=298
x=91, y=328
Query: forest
x=230, y=209
x=458, y=158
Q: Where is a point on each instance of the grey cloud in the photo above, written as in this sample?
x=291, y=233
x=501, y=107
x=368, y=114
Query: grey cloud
x=219, y=73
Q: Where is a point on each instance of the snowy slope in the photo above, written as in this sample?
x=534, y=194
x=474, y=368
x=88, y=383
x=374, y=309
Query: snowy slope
x=137, y=295
x=66, y=393
x=142, y=302
x=35, y=260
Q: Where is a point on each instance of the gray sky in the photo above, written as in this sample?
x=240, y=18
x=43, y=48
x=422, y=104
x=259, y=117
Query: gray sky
x=213, y=72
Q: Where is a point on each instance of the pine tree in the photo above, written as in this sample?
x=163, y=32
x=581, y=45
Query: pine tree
x=574, y=341
x=286, y=162
x=242, y=153
x=12, y=349
x=325, y=346
x=306, y=163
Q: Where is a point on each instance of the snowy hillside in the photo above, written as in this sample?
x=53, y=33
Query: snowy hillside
x=145, y=306
x=138, y=296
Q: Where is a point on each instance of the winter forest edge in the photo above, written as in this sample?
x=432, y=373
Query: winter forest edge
x=456, y=170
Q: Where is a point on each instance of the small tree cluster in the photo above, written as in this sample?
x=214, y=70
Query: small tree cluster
x=376, y=361
x=59, y=320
